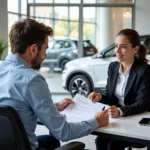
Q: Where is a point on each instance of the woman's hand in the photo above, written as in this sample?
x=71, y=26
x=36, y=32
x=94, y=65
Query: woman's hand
x=114, y=112
x=64, y=103
x=95, y=97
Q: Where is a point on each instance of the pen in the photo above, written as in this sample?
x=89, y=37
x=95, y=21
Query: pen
x=103, y=108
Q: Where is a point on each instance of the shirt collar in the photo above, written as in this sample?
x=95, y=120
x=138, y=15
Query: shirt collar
x=16, y=59
x=127, y=71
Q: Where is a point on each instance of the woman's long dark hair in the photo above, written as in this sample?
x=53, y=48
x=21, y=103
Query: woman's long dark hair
x=134, y=39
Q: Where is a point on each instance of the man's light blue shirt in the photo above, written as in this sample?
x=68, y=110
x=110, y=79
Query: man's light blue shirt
x=27, y=92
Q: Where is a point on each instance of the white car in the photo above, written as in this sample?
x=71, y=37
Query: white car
x=84, y=75
x=88, y=74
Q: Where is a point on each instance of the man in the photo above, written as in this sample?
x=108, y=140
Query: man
x=27, y=92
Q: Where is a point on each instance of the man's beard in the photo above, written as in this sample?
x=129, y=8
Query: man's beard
x=36, y=62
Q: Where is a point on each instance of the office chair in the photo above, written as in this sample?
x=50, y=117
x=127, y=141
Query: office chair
x=138, y=146
x=13, y=135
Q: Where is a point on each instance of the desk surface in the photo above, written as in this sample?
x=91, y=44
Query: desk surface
x=129, y=127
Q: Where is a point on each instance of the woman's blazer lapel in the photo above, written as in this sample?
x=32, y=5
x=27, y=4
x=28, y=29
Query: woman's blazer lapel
x=132, y=76
x=113, y=79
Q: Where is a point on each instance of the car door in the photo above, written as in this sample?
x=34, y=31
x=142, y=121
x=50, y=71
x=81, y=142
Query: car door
x=58, y=48
x=50, y=50
x=53, y=51
x=66, y=54
x=48, y=61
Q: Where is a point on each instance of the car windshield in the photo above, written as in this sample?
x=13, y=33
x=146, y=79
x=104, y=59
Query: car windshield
x=102, y=52
x=86, y=44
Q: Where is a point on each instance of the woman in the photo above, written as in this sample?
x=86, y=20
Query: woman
x=128, y=84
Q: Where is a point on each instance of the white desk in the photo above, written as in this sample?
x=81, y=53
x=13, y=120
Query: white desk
x=128, y=129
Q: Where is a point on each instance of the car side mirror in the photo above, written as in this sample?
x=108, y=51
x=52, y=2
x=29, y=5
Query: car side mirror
x=100, y=56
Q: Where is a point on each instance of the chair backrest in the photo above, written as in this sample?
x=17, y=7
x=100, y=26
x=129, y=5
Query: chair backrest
x=12, y=133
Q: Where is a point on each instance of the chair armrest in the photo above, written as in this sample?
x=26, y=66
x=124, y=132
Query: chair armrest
x=69, y=146
x=72, y=146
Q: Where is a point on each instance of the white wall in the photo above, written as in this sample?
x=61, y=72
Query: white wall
x=142, y=16
x=3, y=23
x=3, y=20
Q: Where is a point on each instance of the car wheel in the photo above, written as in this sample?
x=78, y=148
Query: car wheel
x=62, y=64
x=81, y=85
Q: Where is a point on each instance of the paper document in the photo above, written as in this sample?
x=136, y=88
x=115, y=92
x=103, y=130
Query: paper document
x=83, y=109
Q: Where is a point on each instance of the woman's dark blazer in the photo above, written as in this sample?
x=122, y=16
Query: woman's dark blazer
x=137, y=91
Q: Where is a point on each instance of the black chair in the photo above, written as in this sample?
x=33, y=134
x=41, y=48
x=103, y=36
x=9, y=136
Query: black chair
x=72, y=146
x=138, y=146
x=13, y=135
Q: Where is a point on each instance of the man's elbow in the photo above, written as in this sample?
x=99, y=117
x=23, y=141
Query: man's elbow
x=64, y=138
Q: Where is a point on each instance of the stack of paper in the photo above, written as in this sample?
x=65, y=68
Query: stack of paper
x=83, y=109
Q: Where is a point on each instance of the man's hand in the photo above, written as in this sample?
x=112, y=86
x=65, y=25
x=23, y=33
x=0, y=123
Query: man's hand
x=114, y=112
x=102, y=118
x=95, y=97
x=63, y=104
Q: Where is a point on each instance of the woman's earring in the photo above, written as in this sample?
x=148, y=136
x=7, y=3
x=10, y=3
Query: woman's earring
x=136, y=55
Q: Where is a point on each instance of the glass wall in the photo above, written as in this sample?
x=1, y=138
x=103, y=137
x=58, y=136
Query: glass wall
x=89, y=25
x=13, y=6
x=108, y=1
x=96, y=18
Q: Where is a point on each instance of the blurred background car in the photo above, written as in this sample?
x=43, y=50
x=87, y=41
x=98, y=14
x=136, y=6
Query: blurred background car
x=63, y=50
x=88, y=74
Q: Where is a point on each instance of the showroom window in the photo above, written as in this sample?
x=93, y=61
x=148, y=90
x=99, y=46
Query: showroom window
x=100, y=26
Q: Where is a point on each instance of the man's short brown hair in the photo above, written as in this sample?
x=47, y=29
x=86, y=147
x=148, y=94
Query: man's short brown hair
x=27, y=32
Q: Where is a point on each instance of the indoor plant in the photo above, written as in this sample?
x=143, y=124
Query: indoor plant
x=3, y=46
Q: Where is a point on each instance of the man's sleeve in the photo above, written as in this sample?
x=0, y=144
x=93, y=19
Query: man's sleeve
x=39, y=98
